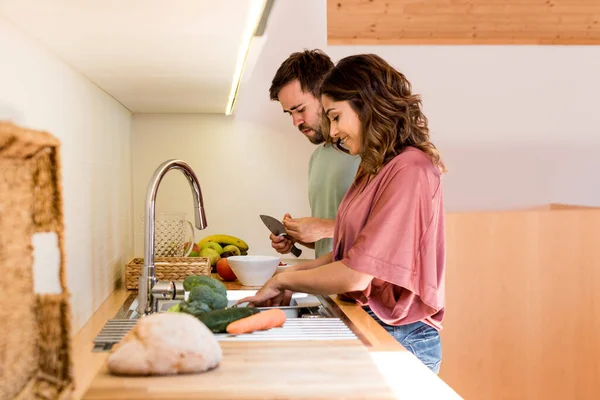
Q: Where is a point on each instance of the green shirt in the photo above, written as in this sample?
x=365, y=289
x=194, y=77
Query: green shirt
x=330, y=174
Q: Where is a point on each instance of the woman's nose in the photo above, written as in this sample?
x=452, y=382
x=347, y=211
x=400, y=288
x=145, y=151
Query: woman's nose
x=333, y=132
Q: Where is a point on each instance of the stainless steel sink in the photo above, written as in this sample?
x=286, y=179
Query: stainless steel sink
x=308, y=318
x=301, y=305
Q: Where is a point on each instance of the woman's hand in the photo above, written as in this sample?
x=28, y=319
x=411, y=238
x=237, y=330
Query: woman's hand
x=270, y=295
x=323, y=280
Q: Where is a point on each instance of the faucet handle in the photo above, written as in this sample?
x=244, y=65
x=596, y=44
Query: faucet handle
x=163, y=290
x=179, y=290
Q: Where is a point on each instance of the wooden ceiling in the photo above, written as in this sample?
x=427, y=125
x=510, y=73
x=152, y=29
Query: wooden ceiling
x=569, y=22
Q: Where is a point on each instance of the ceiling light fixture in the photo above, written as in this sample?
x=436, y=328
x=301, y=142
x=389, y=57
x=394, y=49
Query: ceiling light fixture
x=256, y=10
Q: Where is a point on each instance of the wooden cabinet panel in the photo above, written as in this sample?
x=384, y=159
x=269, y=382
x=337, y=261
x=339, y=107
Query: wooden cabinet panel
x=523, y=304
x=463, y=22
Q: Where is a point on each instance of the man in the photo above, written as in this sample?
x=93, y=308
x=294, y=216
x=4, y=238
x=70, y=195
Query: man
x=330, y=171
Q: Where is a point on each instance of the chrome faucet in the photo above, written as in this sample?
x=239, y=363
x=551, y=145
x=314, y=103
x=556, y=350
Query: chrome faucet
x=149, y=289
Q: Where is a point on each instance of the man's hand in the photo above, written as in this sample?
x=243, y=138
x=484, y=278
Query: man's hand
x=306, y=230
x=281, y=244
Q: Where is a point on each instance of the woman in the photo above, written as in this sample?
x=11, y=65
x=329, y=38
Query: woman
x=389, y=247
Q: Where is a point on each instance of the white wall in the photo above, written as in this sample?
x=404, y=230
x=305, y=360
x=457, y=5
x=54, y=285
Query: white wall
x=517, y=126
x=38, y=91
x=244, y=170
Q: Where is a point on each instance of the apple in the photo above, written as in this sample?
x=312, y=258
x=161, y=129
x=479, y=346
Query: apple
x=224, y=270
x=195, y=249
x=212, y=245
x=212, y=254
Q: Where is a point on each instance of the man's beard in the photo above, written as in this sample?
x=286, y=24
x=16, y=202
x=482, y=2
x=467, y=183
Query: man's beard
x=317, y=137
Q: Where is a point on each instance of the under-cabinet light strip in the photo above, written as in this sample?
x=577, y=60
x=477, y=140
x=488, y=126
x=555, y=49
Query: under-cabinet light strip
x=256, y=10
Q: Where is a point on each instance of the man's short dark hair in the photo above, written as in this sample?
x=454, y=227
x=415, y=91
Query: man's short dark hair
x=309, y=67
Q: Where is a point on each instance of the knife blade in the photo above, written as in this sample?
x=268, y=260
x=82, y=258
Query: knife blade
x=277, y=229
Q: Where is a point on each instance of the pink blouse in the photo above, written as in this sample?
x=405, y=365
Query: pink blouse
x=393, y=229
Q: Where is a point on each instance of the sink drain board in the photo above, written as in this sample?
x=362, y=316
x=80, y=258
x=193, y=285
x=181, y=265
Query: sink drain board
x=293, y=329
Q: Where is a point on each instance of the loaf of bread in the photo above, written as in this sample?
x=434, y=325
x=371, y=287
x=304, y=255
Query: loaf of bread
x=165, y=344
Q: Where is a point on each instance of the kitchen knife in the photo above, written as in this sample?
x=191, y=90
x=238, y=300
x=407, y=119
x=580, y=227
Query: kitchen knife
x=277, y=229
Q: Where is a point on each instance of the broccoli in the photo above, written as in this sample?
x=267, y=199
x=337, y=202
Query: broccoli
x=206, y=294
x=209, y=296
x=195, y=280
x=175, y=308
x=195, y=308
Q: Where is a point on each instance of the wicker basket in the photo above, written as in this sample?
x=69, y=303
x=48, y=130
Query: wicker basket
x=35, y=354
x=167, y=269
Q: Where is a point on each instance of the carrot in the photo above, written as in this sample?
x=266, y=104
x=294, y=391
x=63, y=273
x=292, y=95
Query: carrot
x=272, y=318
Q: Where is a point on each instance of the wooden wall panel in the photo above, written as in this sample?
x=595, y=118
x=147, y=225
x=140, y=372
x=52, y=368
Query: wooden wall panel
x=523, y=304
x=463, y=21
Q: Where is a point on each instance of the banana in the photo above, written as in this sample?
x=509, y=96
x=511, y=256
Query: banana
x=226, y=240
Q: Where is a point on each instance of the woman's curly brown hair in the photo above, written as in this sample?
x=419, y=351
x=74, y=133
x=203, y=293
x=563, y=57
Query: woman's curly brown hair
x=389, y=112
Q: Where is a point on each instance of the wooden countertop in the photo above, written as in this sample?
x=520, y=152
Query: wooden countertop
x=305, y=370
x=377, y=367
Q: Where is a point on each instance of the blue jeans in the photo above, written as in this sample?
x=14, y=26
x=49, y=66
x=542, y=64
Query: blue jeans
x=419, y=338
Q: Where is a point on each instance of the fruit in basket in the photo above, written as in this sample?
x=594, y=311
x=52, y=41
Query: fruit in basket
x=234, y=250
x=195, y=249
x=225, y=240
x=212, y=254
x=225, y=271
x=212, y=245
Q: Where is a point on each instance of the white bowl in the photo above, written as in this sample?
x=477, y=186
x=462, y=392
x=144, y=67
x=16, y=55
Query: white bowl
x=286, y=264
x=281, y=268
x=253, y=270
